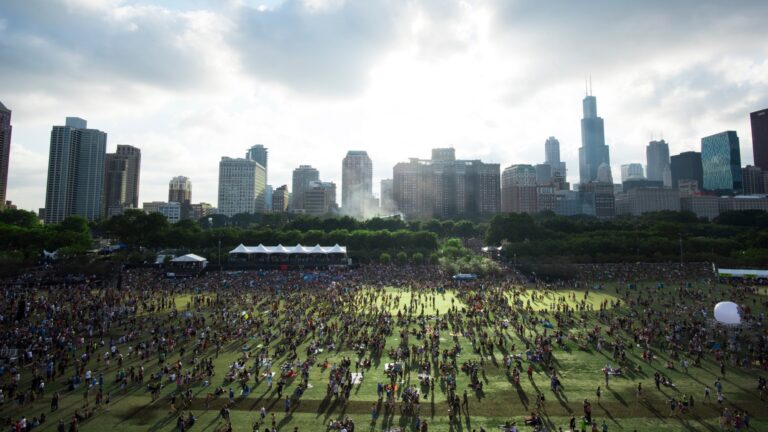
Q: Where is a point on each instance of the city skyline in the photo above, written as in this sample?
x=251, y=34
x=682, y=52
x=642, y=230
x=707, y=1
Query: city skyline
x=462, y=77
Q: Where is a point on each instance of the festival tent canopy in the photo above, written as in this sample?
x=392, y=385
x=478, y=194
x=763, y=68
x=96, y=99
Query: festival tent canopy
x=189, y=258
x=296, y=250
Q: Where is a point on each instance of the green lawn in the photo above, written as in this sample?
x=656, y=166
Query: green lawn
x=499, y=401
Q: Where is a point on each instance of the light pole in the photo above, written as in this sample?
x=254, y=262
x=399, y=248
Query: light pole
x=681, y=250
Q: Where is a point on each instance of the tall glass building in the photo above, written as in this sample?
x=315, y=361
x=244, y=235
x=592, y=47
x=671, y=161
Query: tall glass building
x=721, y=162
x=593, y=151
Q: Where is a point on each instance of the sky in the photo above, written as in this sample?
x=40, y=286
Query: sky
x=190, y=81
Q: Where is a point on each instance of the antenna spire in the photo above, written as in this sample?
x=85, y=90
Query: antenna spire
x=590, y=85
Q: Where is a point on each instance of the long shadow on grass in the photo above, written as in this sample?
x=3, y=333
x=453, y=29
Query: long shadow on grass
x=618, y=397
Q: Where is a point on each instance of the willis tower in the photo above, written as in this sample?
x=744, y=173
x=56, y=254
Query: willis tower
x=593, y=151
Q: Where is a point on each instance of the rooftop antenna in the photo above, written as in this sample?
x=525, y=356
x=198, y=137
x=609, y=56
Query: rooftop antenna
x=590, y=85
x=586, y=87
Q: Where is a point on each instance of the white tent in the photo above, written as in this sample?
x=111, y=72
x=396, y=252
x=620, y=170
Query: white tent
x=189, y=258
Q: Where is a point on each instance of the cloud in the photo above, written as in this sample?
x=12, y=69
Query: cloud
x=314, y=47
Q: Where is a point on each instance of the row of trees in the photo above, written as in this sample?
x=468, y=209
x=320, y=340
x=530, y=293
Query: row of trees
x=733, y=238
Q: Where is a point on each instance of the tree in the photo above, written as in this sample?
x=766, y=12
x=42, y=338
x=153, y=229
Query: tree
x=21, y=218
x=402, y=257
x=384, y=258
x=417, y=258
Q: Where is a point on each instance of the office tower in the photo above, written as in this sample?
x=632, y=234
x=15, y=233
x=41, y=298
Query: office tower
x=259, y=154
x=387, y=200
x=759, y=120
x=631, y=171
x=356, y=183
x=241, y=186
x=657, y=160
x=280, y=198
x=121, y=180
x=686, y=166
x=445, y=187
x=518, y=189
x=302, y=176
x=5, y=150
x=75, y=171
x=593, y=151
x=543, y=173
x=320, y=197
x=600, y=196
x=552, y=157
x=752, y=180
x=721, y=162
x=604, y=173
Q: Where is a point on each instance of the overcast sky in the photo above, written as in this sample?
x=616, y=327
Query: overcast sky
x=189, y=81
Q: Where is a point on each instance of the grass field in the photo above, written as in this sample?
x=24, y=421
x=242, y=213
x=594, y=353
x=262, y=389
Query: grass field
x=499, y=401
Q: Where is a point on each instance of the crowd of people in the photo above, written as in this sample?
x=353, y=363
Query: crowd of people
x=97, y=340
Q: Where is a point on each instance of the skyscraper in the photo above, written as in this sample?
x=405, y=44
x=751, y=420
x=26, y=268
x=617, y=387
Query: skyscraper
x=75, y=171
x=356, y=183
x=180, y=190
x=121, y=180
x=280, y=199
x=753, y=180
x=5, y=150
x=657, y=160
x=759, y=120
x=631, y=171
x=687, y=166
x=302, y=176
x=593, y=151
x=320, y=197
x=241, y=186
x=604, y=174
x=721, y=162
x=552, y=156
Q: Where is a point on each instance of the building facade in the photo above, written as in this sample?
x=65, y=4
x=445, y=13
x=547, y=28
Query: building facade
x=171, y=210
x=320, y=198
x=753, y=180
x=302, y=177
x=75, y=171
x=122, y=175
x=280, y=199
x=387, y=204
x=258, y=153
x=445, y=187
x=645, y=200
x=721, y=163
x=686, y=166
x=631, y=171
x=198, y=211
x=5, y=151
x=241, y=186
x=518, y=189
x=593, y=151
x=356, y=183
x=759, y=120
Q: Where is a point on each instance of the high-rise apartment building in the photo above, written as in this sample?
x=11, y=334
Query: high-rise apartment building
x=657, y=160
x=631, y=171
x=241, y=186
x=721, y=162
x=686, y=166
x=302, y=176
x=518, y=189
x=75, y=171
x=552, y=157
x=280, y=198
x=121, y=180
x=5, y=151
x=356, y=183
x=759, y=120
x=593, y=151
x=445, y=187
